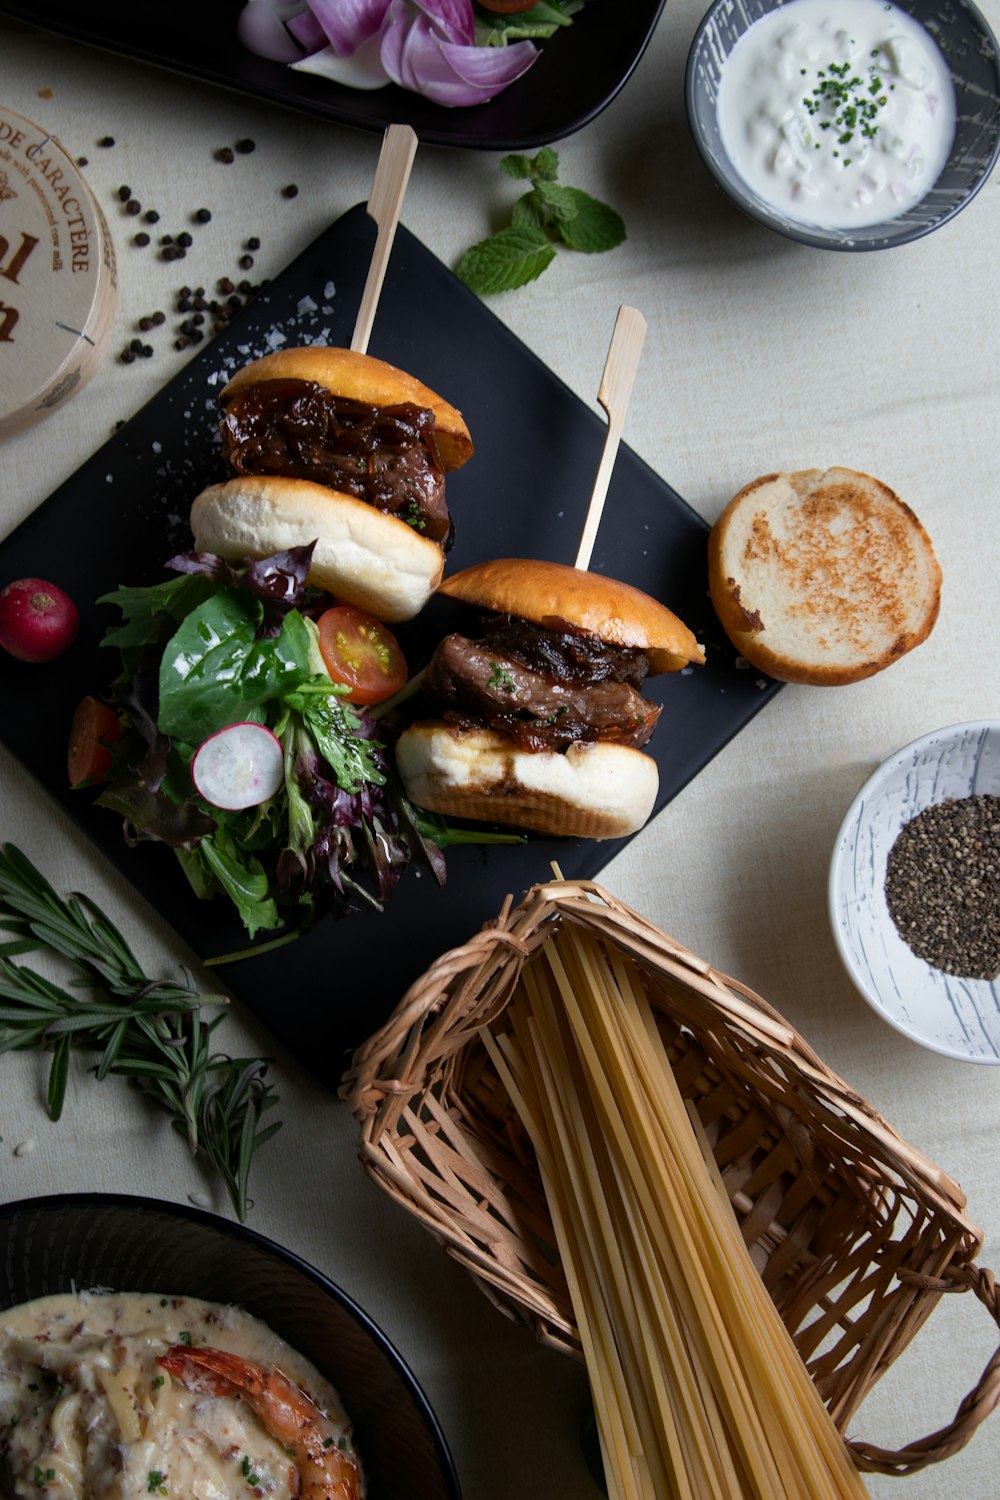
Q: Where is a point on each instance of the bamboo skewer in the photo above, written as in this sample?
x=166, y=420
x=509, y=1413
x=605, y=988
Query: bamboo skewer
x=613, y=394
x=399, y=145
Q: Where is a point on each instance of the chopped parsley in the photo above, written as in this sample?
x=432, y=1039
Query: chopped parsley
x=410, y=513
x=156, y=1482
x=500, y=678
x=246, y=1469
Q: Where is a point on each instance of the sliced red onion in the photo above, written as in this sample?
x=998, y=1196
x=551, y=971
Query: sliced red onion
x=263, y=28
x=307, y=31
x=452, y=17
x=416, y=57
x=362, y=70
x=348, y=24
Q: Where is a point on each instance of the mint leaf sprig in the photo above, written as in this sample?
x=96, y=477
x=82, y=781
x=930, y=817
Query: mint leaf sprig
x=548, y=214
x=151, y=1032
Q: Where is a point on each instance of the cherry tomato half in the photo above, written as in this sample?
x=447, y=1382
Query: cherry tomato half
x=362, y=653
x=95, y=727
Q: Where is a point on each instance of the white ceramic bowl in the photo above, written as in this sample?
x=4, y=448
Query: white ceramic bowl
x=957, y=1017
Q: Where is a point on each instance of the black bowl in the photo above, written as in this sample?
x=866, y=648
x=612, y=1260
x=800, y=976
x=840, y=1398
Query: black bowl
x=77, y=1242
x=971, y=52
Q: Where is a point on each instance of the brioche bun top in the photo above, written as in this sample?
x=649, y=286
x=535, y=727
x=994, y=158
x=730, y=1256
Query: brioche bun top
x=546, y=593
x=359, y=377
x=822, y=577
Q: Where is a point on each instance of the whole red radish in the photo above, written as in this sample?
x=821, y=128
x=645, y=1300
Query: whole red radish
x=38, y=621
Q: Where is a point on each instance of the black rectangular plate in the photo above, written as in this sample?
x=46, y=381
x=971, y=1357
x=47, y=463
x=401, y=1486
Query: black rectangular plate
x=524, y=493
x=579, y=71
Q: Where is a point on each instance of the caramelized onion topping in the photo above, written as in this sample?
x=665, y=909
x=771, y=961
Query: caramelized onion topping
x=386, y=456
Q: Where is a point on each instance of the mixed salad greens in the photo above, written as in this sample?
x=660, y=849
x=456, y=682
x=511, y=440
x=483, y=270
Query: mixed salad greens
x=224, y=645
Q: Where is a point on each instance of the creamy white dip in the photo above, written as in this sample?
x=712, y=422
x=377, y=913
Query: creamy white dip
x=840, y=113
x=86, y=1411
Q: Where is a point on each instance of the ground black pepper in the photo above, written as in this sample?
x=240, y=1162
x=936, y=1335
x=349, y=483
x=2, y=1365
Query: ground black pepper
x=942, y=886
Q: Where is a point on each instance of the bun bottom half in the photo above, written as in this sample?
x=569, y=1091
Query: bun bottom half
x=362, y=556
x=593, y=791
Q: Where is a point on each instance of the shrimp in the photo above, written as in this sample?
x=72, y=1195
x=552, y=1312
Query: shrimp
x=326, y=1471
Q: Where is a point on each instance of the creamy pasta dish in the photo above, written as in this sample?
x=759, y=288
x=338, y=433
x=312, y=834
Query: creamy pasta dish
x=128, y=1396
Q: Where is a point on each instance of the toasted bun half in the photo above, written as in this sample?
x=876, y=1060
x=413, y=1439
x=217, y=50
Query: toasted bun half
x=362, y=556
x=546, y=592
x=822, y=578
x=359, y=377
x=592, y=791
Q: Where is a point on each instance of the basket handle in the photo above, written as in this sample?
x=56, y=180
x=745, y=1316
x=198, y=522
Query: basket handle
x=975, y=1407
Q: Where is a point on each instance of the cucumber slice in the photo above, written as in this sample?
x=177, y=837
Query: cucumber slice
x=239, y=766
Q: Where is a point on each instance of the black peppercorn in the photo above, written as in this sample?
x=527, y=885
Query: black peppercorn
x=151, y=216
x=291, y=191
x=203, y=216
x=253, y=243
x=124, y=194
x=135, y=345
x=146, y=351
x=180, y=343
x=245, y=262
x=159, y=318
x=184, y=239
x=133, y=207
x=225, y=285
x=127, y=357
x=106, y=140
x=225, y=154
x=142, y=238
x=81, y=161
x=245, y=146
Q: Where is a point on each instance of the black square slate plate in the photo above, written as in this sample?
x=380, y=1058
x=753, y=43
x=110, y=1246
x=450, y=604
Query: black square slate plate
x=524, y=492
x=578, y=73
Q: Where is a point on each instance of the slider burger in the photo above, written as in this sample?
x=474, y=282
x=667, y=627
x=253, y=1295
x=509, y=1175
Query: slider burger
x=344, y=450
x=538, y=711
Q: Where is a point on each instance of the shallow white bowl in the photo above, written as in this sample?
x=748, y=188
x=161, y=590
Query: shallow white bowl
x=957, y=1017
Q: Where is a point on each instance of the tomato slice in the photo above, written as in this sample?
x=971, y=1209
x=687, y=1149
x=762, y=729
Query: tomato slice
x=95, y=727
x=362, y=653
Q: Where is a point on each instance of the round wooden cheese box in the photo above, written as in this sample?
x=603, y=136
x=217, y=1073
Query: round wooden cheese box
x=58, y=282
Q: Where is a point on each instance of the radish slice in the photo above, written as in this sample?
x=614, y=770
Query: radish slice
x=240, y=766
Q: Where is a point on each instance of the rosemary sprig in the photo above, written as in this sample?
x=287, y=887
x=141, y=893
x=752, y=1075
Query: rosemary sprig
x=152, y=1032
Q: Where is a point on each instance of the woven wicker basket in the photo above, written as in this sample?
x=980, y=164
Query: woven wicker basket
x=854, y=1232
